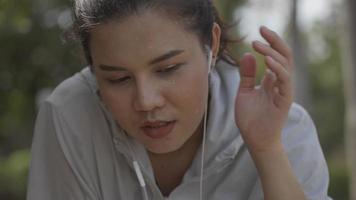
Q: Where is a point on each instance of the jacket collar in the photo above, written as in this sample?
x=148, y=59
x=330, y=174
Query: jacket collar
x=223, y=139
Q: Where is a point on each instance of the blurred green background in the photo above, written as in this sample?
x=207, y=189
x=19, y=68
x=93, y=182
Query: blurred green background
x=34, y=58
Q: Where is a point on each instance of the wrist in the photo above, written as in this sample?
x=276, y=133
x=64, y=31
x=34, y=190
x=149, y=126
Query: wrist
x=272, y=146
x=269, y=161
x=276, y=174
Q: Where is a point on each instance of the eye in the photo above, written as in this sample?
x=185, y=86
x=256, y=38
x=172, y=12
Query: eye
x=170, y=68
x=120, y=80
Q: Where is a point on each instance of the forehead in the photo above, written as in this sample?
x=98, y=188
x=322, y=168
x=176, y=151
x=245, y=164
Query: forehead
x=141, y=35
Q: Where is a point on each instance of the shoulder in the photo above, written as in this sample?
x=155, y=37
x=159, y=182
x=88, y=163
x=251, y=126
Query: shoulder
x=76, y=118
x=299, y=127
x=306, y=157
x=75, y=90
x=297, y=116
x=73, y=107
x=301, y=142
x=75, y=99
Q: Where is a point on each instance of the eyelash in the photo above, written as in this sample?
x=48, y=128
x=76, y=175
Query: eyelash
x=171, y=68
x=120, y=80
x=165, y=71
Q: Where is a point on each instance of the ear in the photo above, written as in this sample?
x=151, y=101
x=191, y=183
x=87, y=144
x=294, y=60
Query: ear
x=215, y=46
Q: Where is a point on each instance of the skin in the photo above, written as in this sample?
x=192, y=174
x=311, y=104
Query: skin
x=260, y=113
x=149, y=92
x=145, y=91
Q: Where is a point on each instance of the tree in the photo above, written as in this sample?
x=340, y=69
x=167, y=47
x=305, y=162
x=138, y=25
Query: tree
x=302, y=80
x=349, y=68
x=32, y=57
x=227, y=8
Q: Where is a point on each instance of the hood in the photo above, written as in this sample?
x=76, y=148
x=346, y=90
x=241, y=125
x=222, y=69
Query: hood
x=223, y=139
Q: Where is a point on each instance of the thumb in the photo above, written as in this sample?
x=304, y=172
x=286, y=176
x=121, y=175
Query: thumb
x=247, y=72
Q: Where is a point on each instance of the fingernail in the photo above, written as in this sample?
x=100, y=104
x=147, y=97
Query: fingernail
x=272, y=74
x=270, y=58
x=265, y=28
x=248, y=54
x=257, y=43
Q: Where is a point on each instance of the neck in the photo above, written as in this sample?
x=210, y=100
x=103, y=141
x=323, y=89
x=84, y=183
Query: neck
x=169, y=168
x=189, y=147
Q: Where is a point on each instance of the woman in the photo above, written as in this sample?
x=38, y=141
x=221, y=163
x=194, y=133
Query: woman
x=162, y=112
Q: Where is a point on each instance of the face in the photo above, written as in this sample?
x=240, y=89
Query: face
x=153, y=77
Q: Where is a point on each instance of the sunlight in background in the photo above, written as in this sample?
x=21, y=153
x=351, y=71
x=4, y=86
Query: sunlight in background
x=276, y=15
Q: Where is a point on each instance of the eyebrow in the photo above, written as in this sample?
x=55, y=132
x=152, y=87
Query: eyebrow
x=159, y=59
x=166, y=56
x=111, y=68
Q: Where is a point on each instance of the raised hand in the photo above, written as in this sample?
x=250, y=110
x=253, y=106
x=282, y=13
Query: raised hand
x=260, y=112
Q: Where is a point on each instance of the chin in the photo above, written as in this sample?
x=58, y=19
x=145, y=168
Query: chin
x=162, y=148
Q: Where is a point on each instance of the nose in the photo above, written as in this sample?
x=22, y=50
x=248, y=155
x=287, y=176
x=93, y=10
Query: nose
x=148, y=97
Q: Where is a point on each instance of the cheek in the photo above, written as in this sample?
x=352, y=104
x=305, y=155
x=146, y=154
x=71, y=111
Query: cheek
x=196, y=83
x=119, y=106
x=192, y=91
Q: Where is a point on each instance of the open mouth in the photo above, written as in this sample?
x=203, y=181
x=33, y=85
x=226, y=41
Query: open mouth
x=158, y=129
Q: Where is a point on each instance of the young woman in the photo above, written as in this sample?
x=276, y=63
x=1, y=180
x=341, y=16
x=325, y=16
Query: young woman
x=162, y=112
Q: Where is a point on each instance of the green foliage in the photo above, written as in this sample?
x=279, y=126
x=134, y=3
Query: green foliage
x=33, y=56
x=13, y=173
x=326, y=77
x=328, y=103
x=339, y=180
x=228, y=7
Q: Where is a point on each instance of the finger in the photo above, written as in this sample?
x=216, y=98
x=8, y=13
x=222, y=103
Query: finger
x=283, y=76
x=268, y=51
x=247, y=72
x=268, y=82
x=277, y=43
x=280, y=101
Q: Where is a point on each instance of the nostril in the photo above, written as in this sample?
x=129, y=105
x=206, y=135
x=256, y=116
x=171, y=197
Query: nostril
x=148, y=96
x=148, y=103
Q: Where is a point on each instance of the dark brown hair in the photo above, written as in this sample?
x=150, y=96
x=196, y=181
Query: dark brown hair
x=196, y=15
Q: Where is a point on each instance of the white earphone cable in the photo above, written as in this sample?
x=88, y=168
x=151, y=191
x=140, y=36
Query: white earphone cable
x=210, y=57
x=202, y=157
x=138, y=171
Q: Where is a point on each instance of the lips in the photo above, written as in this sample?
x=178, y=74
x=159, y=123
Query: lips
x=158, y=129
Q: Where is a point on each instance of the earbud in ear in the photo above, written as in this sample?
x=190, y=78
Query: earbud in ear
x=210, y=57
x=210, y=60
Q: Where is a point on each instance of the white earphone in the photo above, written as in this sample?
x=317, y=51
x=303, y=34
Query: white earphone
x=210, y=66
x=210, y=58
x=136, y=164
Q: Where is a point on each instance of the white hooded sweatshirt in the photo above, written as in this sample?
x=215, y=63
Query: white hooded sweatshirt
x=79, y=152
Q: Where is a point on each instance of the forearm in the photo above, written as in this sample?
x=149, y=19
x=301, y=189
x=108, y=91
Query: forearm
x=276, y=174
